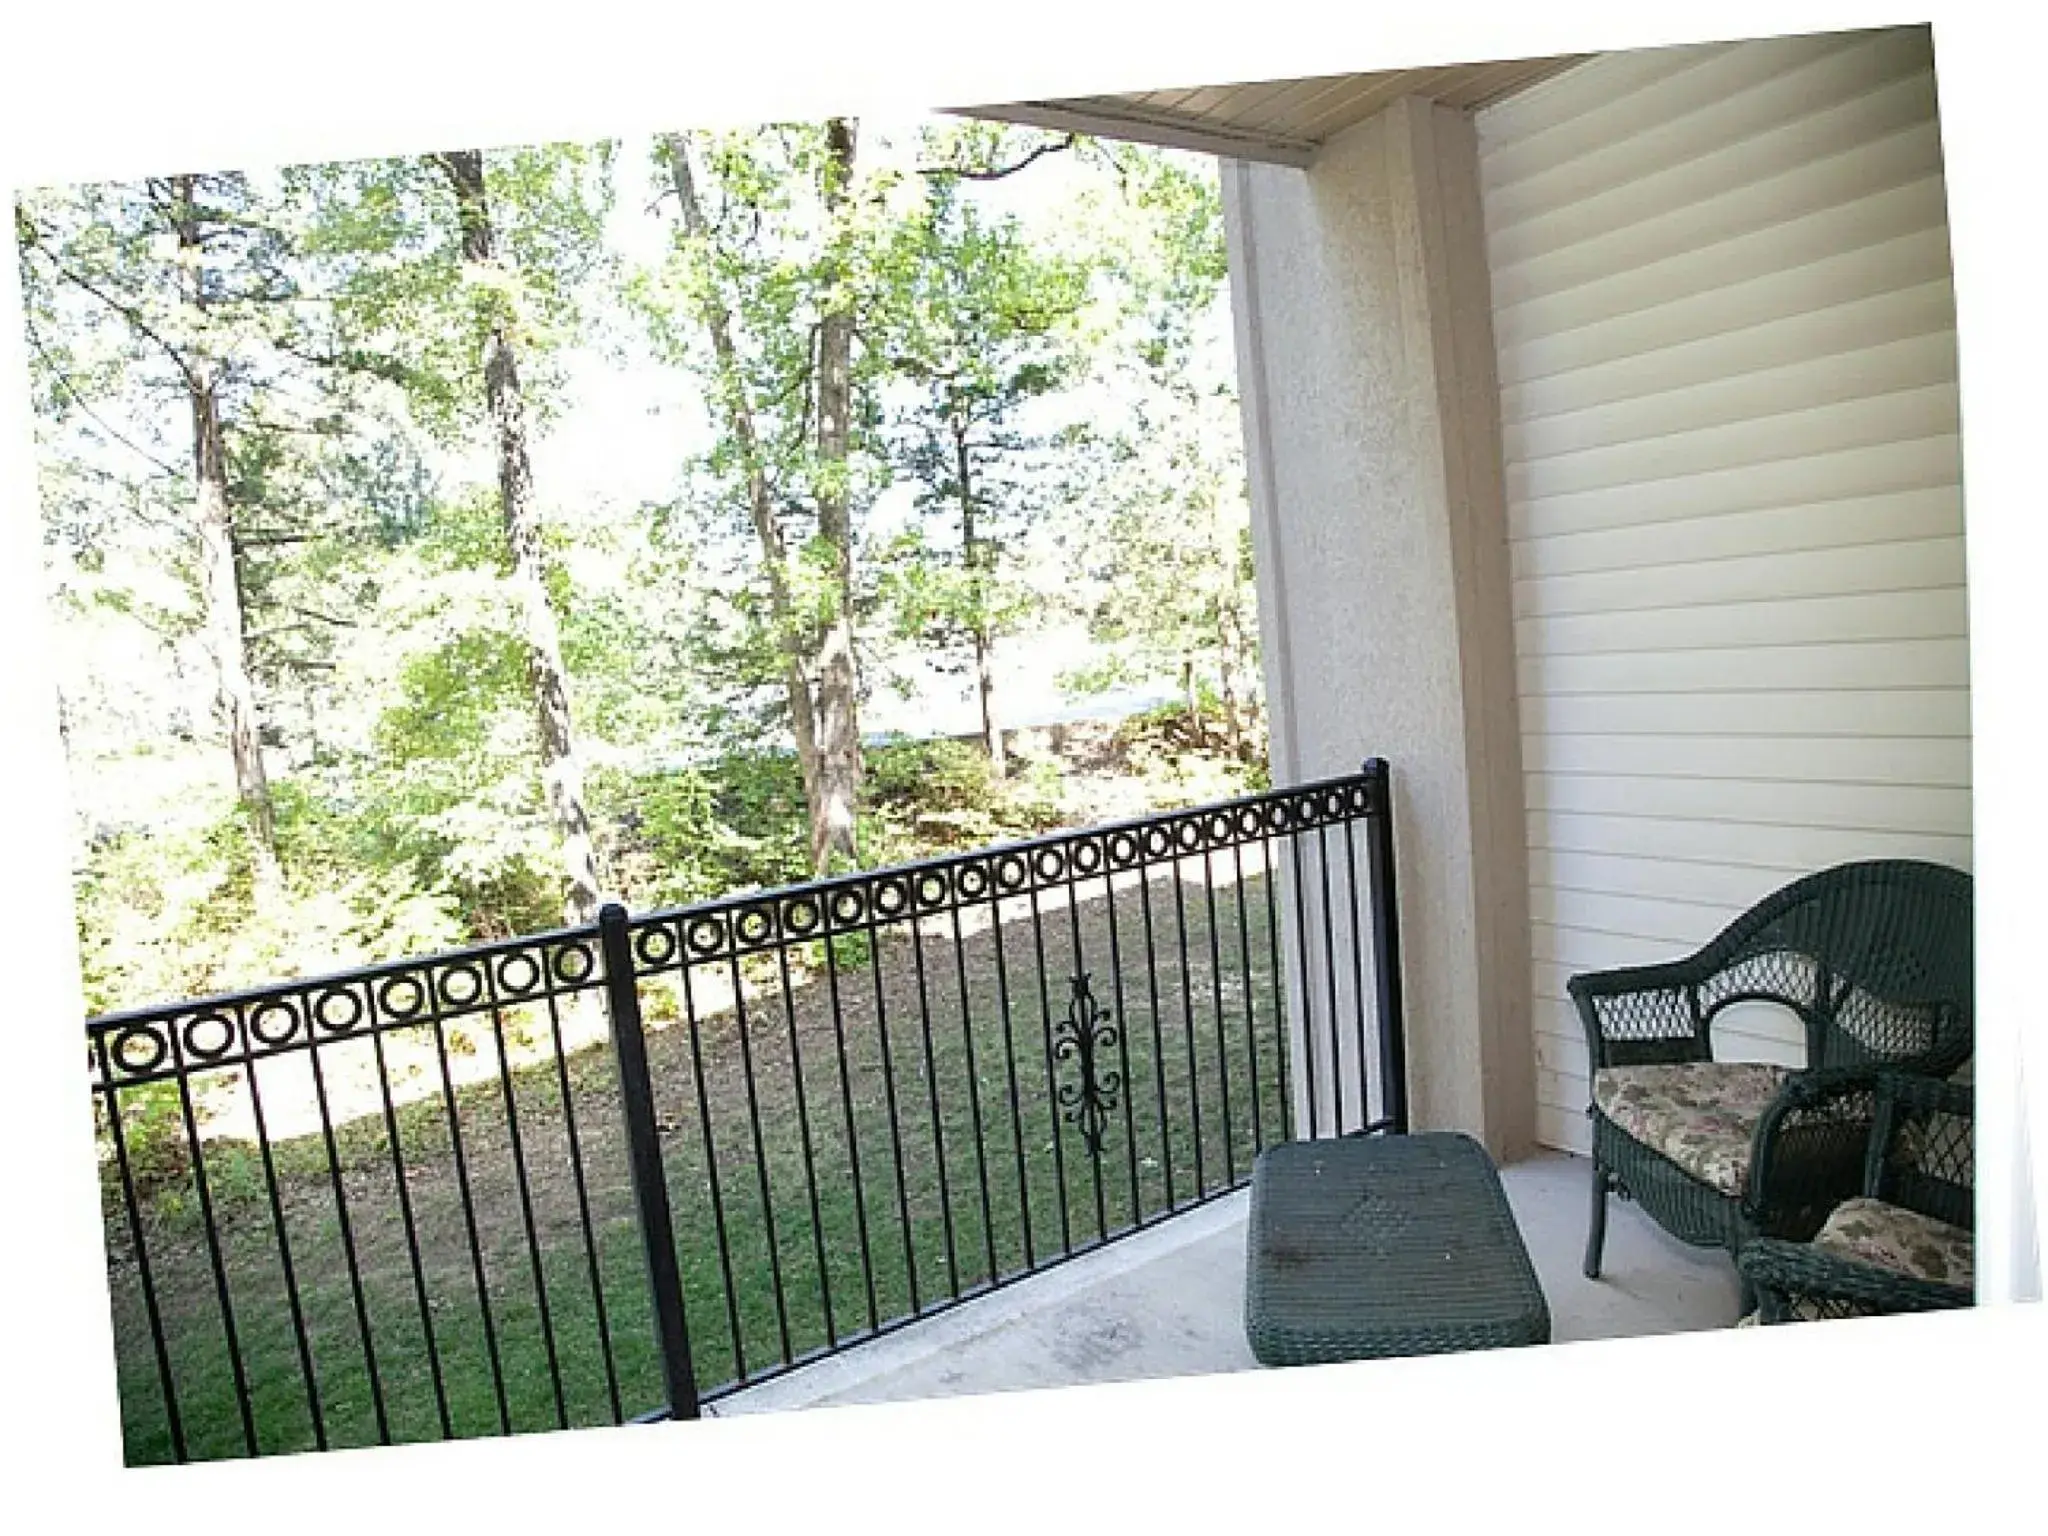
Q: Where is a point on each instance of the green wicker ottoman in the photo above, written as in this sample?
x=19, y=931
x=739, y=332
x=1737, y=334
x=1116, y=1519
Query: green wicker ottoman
x=1370, y=1246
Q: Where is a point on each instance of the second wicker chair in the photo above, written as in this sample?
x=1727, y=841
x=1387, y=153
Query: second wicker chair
x=1906, y=1243
x=1876, y=961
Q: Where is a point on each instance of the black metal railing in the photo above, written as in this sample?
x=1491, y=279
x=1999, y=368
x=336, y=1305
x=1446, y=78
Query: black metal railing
x=424, y=1200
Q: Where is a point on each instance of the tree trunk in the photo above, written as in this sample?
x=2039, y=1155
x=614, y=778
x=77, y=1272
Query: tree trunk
x=1234, y=731
x=1193, y=700
x=220, y=582
x=1233, y=717
x=739, y=417
x=838, y=723
x=561, y=770
x=973, y=555
x=1244, y=717
x=985, y=679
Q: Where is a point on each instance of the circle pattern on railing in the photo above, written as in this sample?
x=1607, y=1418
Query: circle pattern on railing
x=727, y=930
x=324, y=1010
x=338, y=1011
x=209, y=1037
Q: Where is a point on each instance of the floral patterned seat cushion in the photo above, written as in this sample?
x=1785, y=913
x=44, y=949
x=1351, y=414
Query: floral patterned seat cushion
x=1702, y=1115
x=1903, y=1241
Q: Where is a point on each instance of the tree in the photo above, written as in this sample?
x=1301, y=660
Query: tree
x=146, y=255
x=168, y=312
x=1165, y=538
x=505, y=402
x=984, y=332
x=1169, y=549
x=765, y=295
x=454, y=275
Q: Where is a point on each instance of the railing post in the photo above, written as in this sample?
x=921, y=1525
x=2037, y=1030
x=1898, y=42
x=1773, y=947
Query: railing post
x=1386, y=942
x=643, y=1141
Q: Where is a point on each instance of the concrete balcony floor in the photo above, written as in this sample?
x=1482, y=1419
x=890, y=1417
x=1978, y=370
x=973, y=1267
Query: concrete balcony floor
x=1170, y=1302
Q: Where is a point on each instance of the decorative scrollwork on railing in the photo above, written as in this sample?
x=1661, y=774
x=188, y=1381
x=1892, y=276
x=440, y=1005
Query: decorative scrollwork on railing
x=1087, y=1029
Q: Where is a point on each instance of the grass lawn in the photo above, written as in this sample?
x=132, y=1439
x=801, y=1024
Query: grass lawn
x=875, y=1133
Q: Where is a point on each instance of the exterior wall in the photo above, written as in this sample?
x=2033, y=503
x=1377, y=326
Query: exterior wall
x=1366, y=368
x=1725, y=323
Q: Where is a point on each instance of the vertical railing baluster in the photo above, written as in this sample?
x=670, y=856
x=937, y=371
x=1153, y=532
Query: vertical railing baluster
x=523, y=1184
x=348, y=1241
x=1123, y=1036
x=1386, y=941
x=412, y=1240
x=1365, y=1115
x=931, y=1081
x=745, y=1031
x=1158, y=1029
x=1084, y=1061
x=1251, y=1020
x=423, y=982
x=988, y=1220
x=602, y=1319
x=1330, y=968
x=189, y=1115
x=732, y=1303
x=1283, y=1079
x=1187, y=1010
x=284, y=1242
x=1308, y=1034
x=650, y=1182
x=1216, y=985
x=1052, y=1090
x=803, y=1120
x=166, y=1381
x=874, y=933
x=860, y=1202
x=1010, y=1066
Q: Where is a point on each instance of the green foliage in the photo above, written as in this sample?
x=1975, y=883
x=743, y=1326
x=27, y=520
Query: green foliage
x=383, y=239
x=685, y=834
x=1167, y=748
x=985, y=327
x=1045, y=393
x=773, y=259
x=1165, y=549
x=176, y=914
x=937, y=775
x=397, y=710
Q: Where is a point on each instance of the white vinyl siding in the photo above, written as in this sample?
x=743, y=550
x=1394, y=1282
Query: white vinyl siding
x=1726, y=332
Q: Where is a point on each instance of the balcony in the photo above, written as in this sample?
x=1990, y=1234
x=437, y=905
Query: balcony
x=1170, y=1303
x=640, y=1169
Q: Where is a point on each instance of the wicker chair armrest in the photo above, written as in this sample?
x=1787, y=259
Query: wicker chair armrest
x=1914, y=1159
x=1796, y=1278
x=1810, y=1149
x=1931, y=1095
x=1640, y=1015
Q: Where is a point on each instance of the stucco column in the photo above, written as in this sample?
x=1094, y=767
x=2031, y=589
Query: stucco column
x=1366, y=367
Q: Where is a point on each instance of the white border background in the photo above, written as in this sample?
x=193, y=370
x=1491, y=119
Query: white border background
x=1584, y=1435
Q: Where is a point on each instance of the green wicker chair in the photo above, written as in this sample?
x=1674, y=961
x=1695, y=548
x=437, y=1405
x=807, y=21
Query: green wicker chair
x=1907, y=1243
x=1874, y=958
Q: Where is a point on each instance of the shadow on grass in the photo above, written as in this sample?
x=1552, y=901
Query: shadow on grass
x=851, y=1139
